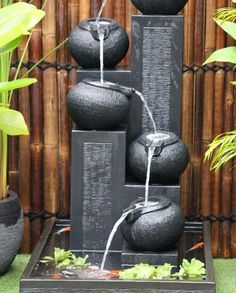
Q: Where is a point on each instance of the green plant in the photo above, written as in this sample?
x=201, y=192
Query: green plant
x=65, y=258
x=192, y=270
x=223, y=148
x=16, y=21
x=188, y=270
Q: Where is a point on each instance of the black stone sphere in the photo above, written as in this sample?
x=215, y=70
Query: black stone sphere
x=165, y=7
x=156, y=227
x=98, y=106
x=84, y=43
x=169, y=161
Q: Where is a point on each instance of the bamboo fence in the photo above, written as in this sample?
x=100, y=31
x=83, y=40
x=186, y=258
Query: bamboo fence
x=39, y=164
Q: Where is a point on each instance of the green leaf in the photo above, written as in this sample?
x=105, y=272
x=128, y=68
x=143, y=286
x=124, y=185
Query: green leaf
x=9, y=47
x=223, y=55
x=163, y=272
x=80, y=261
x=16, y=20
x=228, y=26
x=16, y=84
x=12, y=122
x=138, y=272
x=233, y=82
x=193, y=269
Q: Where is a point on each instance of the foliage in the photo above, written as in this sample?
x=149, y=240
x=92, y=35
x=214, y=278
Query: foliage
x=16, y=22
x=188, y=270
x=192, y=270
x=223, y=148
x=65, y=258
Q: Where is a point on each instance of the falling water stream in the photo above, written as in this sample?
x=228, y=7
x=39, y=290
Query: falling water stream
x=148, y=109
x=101, y=39
x=153, y=137
x=101, y=34
x=113, y=232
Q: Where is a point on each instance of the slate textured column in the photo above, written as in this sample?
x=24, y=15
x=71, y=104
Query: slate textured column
x=157, y=46
x=97, y=174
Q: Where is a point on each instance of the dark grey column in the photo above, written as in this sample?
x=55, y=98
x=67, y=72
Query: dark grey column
x=157, y=70
x=97, y=174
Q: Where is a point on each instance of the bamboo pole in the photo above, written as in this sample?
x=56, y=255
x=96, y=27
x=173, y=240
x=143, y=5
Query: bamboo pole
x=187, y=197
x=198, y=101
x=36, y=149
x=13, y=158
x=109, y=9
x=64, y=125
x=50, y=112
x=24, y=155
x=130, y=10
x=95, y=6
x=84, y=9
x=227, y=179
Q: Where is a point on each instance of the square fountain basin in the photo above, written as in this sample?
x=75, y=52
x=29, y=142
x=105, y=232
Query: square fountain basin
x=36, y=278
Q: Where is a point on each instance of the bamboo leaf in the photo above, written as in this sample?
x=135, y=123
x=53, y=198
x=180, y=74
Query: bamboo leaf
x=17, y=21
x=228, y=26
x=16, y=84
x=223, y=55
x=12, y=122
x=11, y=45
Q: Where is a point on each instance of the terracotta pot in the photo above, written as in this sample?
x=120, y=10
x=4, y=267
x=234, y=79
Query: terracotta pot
x=169, y=161
x=84, y=43
x=166, y=7
x=156, y=227
x=98, y=106
x=11, y=230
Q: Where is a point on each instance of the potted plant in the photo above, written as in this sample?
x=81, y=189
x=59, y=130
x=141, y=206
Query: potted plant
x=223, y=147
x=16, y=21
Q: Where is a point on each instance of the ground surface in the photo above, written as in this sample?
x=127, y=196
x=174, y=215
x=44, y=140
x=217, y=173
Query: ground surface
x=225, y=273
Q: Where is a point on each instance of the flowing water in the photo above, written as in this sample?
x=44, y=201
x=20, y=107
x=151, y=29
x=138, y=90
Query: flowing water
x=155, y=138
x=113, y=232
x=101, y=39
x=101, y=35
x=148, y=109
x=151, y=151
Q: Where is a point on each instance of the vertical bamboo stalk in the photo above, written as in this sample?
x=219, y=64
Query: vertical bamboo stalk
x=187, y=197
x=129, y=11
x=64, y=125
x=218, y=127
x=36, y=150
x=198, y=100
x=207, y=128
x=50, y=112
x=227, y=179
x=13, y=157
x=73, y=14
x=24, y=156
x=95, y=6
x=108, y=9
x=84, y=9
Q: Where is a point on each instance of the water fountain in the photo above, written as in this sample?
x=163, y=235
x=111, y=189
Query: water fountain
x=108, y=173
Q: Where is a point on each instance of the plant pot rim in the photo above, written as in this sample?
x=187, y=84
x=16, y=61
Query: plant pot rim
x=11, y=195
